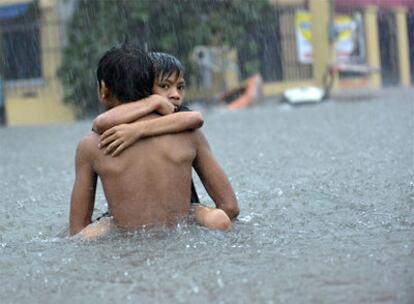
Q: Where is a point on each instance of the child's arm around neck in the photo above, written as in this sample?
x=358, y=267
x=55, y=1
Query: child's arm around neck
x=131, y=111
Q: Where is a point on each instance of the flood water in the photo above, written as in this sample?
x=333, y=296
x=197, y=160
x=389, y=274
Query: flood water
x=327, y=213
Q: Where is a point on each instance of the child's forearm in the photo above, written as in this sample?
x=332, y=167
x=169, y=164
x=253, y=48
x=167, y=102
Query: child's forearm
x=132, y=111
x=120, y=137
x=232, y=210
x=124, y=113
x=214, y=179
x=173, y=123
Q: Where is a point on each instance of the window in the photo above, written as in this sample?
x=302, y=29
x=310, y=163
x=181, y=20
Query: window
x=20, y=42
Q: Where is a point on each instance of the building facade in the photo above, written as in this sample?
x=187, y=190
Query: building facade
x=32, y=34
x=30, y=47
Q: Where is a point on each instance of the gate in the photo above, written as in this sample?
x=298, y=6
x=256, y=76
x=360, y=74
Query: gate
x=410, y=31
x=388, y=48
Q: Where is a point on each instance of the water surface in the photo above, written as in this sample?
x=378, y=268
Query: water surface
x=326, y=195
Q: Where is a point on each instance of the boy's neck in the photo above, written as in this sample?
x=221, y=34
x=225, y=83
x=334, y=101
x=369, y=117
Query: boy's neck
x=112, y=103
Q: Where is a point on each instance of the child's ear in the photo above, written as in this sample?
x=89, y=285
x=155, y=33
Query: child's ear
x=104, y=91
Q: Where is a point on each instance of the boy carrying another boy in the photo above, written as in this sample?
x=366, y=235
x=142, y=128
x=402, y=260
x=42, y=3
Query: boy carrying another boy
x=150, y=182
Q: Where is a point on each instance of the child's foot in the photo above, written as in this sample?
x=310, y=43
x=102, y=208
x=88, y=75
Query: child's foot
x=218, y=219
x=96, y=229
x=212, y=218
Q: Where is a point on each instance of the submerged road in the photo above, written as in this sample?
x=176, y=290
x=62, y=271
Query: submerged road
x=327, y=213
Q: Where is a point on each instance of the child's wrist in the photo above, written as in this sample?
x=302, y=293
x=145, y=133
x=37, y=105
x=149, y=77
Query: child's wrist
x=140, y=130
x=154, y=103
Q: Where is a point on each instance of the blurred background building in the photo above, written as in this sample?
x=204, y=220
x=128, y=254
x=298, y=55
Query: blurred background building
x=294, y=51
x=30, y=49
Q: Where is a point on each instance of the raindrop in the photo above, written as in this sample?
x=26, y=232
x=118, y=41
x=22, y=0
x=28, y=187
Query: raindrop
x=245, y=219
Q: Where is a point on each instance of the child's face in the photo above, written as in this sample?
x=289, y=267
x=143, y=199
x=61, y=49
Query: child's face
x=172, y=88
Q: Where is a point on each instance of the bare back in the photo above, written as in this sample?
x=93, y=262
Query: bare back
x=150, y=182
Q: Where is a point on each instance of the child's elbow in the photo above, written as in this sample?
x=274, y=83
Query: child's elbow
x=99, y=124
x=197, y=120
x=235, y=212
x=232, y=211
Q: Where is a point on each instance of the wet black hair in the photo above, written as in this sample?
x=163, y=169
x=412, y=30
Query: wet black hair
x=166, y=65
x=127, y=71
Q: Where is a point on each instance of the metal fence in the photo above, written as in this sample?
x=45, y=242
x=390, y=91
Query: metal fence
x=292, y=68
x=388, y=48
x=278, y=49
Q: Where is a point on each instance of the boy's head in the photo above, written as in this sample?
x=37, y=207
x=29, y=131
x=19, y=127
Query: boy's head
x=169, y=77
x=125, y=73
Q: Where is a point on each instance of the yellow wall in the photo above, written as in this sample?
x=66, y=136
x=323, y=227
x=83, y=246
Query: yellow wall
x=36, y=105
x=41, y=101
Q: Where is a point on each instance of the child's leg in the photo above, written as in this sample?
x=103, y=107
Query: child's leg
x=96, y=229
x=211, y=218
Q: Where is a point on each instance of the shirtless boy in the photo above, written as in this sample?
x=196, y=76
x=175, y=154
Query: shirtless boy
x=149, y=183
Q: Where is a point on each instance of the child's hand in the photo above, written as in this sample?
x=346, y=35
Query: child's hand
x=118, y=138
x=163, y=105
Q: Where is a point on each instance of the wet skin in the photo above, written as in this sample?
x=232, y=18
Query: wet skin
x=153, y=188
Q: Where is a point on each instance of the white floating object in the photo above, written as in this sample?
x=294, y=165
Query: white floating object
x=304, y=95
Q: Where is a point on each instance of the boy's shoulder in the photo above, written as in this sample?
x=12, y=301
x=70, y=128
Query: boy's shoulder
x=89, y=138
x=88, y=144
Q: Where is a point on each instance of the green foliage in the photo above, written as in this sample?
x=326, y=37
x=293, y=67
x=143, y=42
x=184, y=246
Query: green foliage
x=160, y=25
